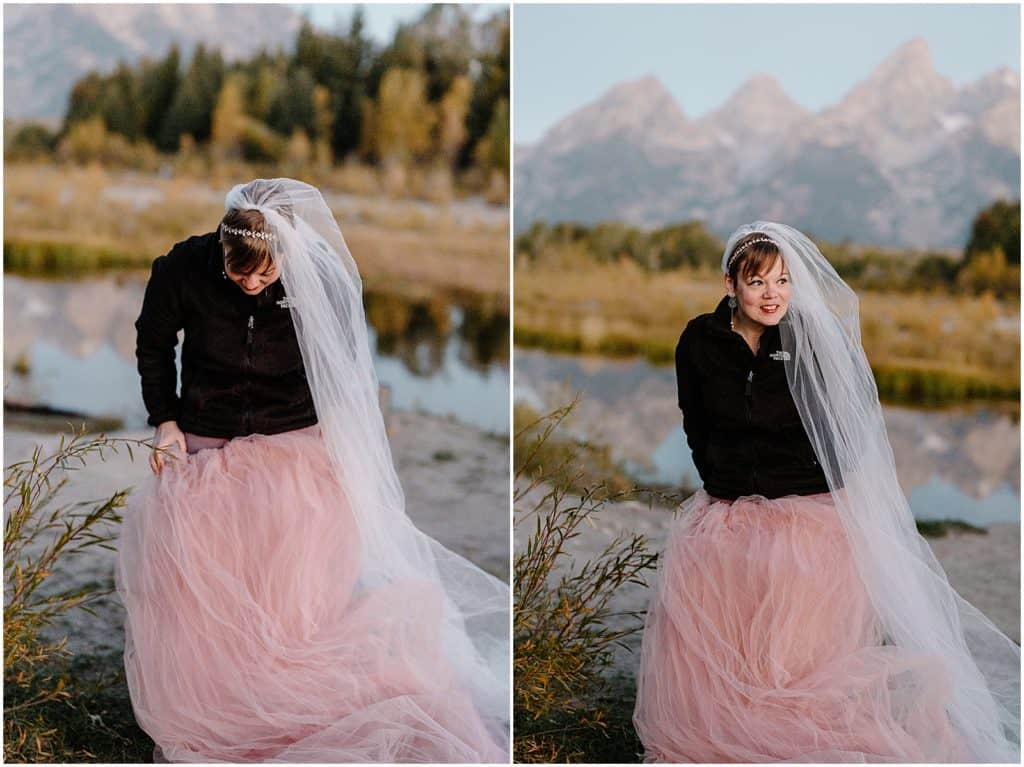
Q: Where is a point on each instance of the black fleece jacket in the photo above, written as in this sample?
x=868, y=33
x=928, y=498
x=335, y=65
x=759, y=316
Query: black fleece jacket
x=738, y=413
x=241, y=367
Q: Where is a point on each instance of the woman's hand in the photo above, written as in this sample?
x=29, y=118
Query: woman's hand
x=168, y=436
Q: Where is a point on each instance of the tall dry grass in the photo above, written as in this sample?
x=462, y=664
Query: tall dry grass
x=59, y=219
x=565, y=627
x=922, y=347
x=46, y=706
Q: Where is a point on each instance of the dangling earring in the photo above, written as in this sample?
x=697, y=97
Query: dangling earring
x=732, y=302
x=223, y=260
x=732, y=312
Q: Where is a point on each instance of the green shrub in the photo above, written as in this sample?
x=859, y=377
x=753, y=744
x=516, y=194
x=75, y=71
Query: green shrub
x=89, y=141
x=989, y=271
x=940, y=528
x=261, y=144
x=45, y=258
x=565, y=630
x=39, y=690
x=32, y=141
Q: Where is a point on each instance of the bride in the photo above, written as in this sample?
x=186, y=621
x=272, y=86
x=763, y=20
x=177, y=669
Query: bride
x=797, y=614
x=280, y=605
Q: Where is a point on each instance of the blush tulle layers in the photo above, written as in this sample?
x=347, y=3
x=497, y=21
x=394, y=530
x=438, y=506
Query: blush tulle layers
x=761, y=645
x=247, y=636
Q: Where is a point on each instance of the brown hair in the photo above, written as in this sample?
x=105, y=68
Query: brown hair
x=755, y=259
x=250, y=253
x=247, y=254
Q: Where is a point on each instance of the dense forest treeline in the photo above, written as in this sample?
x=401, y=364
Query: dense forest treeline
x=989, y=262
x=437, y=95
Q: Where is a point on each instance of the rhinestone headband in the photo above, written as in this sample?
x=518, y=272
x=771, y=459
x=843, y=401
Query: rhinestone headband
x=247, y=233
x=743, y=247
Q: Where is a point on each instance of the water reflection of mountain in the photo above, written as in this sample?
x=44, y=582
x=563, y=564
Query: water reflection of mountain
x=81, y=316
x=417, y=331
x=72, y=344
x=631, y=406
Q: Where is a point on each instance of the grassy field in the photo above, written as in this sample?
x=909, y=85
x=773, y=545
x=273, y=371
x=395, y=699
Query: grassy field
x=63, y=219
x=922, y=347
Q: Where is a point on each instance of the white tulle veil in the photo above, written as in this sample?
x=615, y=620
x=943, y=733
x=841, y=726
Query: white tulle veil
x=322, y=282
x=834, y=390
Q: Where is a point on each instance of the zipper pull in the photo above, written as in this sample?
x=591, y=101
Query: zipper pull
x=249, y=334
x=750, y=380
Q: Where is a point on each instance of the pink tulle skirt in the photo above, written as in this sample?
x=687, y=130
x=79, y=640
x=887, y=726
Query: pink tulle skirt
x=248, y=637
x=761, y=645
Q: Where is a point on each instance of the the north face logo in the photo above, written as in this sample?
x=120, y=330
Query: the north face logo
x=780, y=355
x=285, y=302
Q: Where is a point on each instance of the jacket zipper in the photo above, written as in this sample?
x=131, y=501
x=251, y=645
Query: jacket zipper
x=749, y=394
x=248, y=367
x=750, y=406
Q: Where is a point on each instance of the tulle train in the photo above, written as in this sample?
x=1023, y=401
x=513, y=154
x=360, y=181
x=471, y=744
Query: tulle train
x=761, y=645
x=247, y=636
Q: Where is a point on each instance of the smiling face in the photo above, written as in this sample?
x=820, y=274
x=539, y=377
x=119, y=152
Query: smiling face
x=762, y=297
x=253, y=283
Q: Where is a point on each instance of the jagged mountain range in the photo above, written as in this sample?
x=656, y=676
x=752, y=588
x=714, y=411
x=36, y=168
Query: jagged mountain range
x=47, y=47
x=904, y=159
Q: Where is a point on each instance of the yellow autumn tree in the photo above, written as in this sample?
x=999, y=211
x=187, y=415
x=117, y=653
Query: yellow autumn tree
x=324, y=120
x=492, y=151
x=265, y=89
x=403, y=118
x=300, y=150
x=451, y=123
x=229, y=119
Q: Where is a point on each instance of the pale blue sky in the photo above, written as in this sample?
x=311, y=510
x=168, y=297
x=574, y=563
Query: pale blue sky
x=381, y=18
x=565, y=56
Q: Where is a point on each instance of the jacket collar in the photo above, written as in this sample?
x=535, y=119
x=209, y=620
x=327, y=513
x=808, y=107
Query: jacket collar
x=722, y=316
x=215, y=254
x=771, y=340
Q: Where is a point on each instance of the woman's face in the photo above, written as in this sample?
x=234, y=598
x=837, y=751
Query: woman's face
x=251, y=284
x=762, y=298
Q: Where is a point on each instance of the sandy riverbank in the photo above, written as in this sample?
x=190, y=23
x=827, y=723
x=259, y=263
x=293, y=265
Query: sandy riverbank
x=455, y=479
